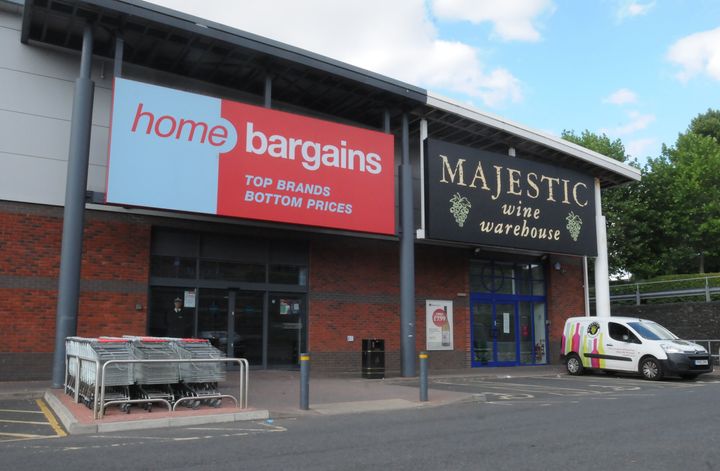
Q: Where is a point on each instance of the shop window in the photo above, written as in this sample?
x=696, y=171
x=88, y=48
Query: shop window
x=232, y=271
x=507, y=278
x=165, y=266
x=288, y=274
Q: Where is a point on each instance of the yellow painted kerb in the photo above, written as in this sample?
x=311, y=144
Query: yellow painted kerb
x=51, y=418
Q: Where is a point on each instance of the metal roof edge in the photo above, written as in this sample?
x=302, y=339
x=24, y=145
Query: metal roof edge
x=263, y=44
x=446, y=104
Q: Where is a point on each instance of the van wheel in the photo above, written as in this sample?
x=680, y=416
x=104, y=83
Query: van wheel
x=650, y=369
x=574, y=365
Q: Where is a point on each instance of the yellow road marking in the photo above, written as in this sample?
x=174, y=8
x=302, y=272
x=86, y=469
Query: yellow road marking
x=23, y=411
x=59, y=431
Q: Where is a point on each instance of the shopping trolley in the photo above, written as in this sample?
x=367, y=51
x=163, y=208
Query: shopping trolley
x=199, y=380
x=84, y=357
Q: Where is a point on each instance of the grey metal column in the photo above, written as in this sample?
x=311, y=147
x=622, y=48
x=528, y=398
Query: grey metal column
x=407, y=258
x=74, y=213
x=268, y=91
x=119, y=50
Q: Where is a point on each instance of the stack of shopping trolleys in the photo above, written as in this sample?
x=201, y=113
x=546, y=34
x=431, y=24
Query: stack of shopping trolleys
x=187, y=383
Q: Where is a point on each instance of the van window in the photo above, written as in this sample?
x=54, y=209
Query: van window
x=652, y=331
x=621, y=333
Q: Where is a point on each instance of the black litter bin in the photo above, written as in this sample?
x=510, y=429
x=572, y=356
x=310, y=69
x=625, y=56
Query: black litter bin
x=373, y=358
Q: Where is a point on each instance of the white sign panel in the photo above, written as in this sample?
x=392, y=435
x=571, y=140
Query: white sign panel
x=189, y=298
x=439, y=324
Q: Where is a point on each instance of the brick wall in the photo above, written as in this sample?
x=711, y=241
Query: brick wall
x=355, y=291
x=114, y=276
x=566, y=298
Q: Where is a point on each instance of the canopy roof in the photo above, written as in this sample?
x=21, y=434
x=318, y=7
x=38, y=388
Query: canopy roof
x=188, y=46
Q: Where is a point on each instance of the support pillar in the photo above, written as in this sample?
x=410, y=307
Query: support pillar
x=407, y=258
x=602, y=278
x=268, y=91
x=119, y=52
x=74, y=212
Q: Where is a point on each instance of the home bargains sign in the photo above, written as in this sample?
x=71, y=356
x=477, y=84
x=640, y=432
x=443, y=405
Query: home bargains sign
x=187, y=152
x=491, y=199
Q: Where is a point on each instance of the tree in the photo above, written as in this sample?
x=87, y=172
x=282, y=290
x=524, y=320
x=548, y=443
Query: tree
x=669, y=222
x=706, y=124
x=694, y=183
x=619, y=204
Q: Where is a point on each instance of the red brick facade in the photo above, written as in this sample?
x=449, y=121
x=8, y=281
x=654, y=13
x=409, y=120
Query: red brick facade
x=354, y=289
x=114, y=277
x=566, y=298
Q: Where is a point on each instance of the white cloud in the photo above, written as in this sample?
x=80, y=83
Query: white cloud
x=697, y=54
x=622, y=96
x=512, y=20
x=396, y=38
x=638, y=121
x=630, y=8
x=641, y=148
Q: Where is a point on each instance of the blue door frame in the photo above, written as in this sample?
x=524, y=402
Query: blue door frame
x=484, y=340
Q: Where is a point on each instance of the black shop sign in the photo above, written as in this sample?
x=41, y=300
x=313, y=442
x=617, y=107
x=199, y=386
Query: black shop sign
x=484, y=198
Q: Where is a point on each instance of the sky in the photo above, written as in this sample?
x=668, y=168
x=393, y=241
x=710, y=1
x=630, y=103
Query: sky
x=637, y=71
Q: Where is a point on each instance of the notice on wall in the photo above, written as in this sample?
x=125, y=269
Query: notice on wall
x=189, y=300
x=506, y=322
x=176, y=150
x=439, y=324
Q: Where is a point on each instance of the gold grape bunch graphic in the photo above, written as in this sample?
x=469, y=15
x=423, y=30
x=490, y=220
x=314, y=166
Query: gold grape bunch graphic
x=460, y=208
x=574, y=224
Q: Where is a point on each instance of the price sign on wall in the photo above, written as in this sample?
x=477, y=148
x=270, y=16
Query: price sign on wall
x=438, y=324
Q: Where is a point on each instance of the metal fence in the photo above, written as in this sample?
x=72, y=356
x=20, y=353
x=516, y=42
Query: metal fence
x=686, y=288
x=712, y=346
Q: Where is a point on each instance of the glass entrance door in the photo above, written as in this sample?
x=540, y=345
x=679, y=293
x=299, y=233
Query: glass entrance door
x=494, y=333
x=233, y=322
x=506, y=343
x=508, y=332
x=286, y=316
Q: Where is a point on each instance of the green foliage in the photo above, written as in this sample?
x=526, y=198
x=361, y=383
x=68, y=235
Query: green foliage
x=618, y=203
x=669, y=222
x=706, y=124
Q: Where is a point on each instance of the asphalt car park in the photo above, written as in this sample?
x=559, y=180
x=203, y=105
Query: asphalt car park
x=562, y=388
x=27, y=419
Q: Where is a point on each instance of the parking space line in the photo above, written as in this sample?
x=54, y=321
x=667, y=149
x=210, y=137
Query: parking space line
x=24, y=435
x=59, y=431
x=22, y=411
x=28, y=422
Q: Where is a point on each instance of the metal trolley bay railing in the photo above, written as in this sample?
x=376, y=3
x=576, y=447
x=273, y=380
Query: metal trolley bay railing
x=126, y=371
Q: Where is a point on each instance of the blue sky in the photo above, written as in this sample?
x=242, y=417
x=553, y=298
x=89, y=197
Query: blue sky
x=635, y=70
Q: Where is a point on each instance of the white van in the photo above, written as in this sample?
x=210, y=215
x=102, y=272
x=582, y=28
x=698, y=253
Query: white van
x=632, y=345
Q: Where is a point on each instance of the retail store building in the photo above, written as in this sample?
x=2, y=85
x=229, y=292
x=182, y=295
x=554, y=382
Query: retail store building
x=288, y=202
